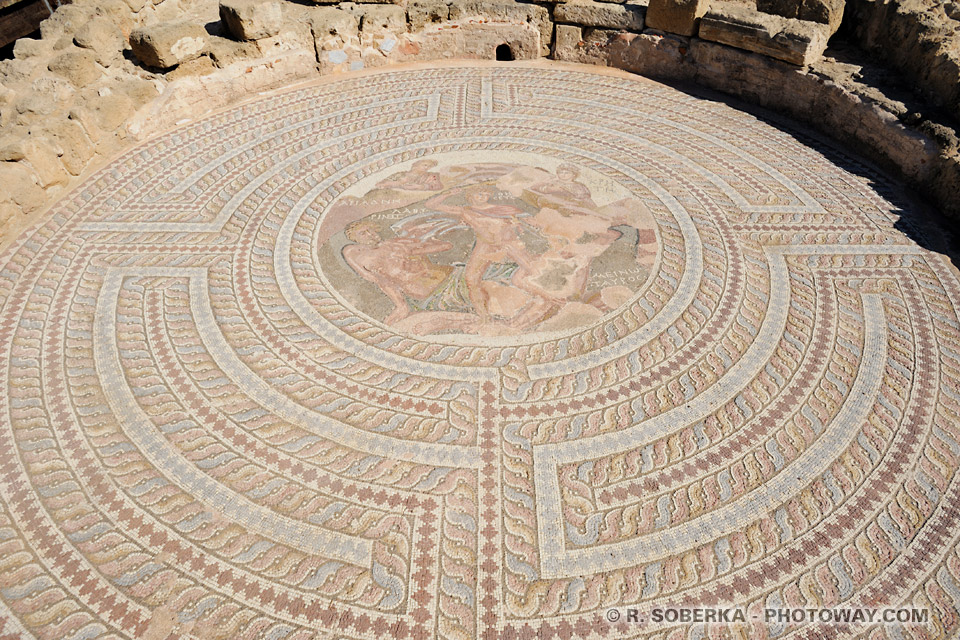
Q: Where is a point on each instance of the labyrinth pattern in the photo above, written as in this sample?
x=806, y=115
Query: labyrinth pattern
x=218, y=421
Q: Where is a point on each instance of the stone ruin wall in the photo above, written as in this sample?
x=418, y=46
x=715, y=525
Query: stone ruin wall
x=107, y=74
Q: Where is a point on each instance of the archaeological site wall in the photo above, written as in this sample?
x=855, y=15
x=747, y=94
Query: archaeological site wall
x=107, y=74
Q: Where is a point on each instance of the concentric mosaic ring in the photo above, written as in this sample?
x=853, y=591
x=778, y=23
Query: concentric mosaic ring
x=478, y=351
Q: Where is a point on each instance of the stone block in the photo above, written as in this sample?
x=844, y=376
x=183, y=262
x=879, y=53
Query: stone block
x=78, y=66
x=627, y=16
x=332, y=25
x=32, y=106
x=102, y=38
x=508, y=12
x=795, y=41
x=47, y=94
x=15, y=71
x=29, y=48
x=476, y=40
x=140, y=91
x=651, y=54
x=67, y=19
x=72, y=142
x=420, y=13
x=118, y=13
x=681, y=17
x=251, y=19
x=584, y=45
x=202, y=66
x=9, y=216
x=84, y=117
x=110, y=111
x=225, y=51
x=41, y=154
x=7, y=96
x=828, y=12
x=349, y=5
x=167, y=44
x=566, y=41
x=379, y=18
x=21, y=186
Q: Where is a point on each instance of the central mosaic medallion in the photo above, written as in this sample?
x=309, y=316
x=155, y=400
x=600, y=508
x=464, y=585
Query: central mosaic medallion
x=486, y=245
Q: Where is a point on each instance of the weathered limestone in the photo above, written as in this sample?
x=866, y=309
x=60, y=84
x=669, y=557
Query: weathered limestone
x=44, y=96
x=567, y=42
x=340, y=2
x=681, y=17
x=78, y=66
x=794, y=41
x=507, y=12
x=828, y=12
x=41, y=154
x=188, y=98
x=166, y=45
x=332, y=29
x=66, y=20
x=21, y=186
x=652, y=54
x=628, y=16
x=29, y=48
x=476, y=40
x=251, y=19
x=586, y=45
x=111, y=110
x=382, y=18
x=10, y=216
x=74, y=146
x=914, y=37
x=7, y=97
x=103, y=38
x=423, y=12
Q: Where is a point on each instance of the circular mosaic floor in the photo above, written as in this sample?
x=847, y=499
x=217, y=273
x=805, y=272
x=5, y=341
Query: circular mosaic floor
x=477, y=352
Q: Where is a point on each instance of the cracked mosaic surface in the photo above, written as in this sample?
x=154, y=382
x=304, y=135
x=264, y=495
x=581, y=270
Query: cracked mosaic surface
x=476, y=352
